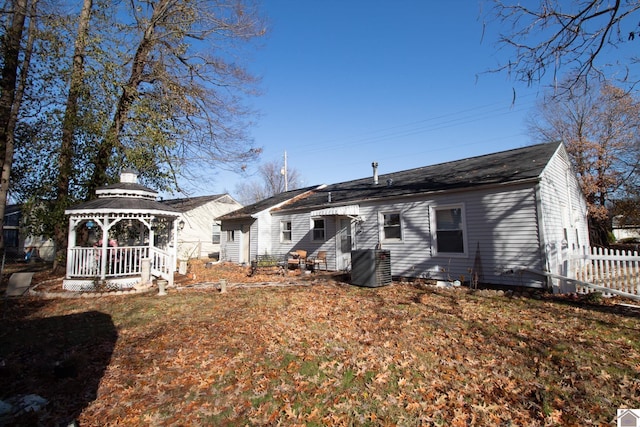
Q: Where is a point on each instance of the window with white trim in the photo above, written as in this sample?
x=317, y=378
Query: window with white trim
x=285, y=231
x=216, y=230
x=449, y=229
x=318, y=228
x=391, y=226
x=231, y=236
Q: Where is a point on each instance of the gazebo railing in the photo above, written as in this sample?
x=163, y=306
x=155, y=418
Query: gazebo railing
x=162, y=264
x=120, y=261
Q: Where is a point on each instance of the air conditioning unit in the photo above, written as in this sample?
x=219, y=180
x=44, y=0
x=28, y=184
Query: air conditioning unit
x=370, y=267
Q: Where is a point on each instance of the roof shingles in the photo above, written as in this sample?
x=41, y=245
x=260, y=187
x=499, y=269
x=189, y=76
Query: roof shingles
x=504, y=167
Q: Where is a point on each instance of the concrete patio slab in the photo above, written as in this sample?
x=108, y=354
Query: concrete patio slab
x=19, y=284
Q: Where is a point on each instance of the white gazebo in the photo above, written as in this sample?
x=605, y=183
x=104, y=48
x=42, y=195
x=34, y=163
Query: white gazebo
x=121, y=239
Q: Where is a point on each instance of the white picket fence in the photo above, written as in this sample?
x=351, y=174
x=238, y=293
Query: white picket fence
x=616, y=270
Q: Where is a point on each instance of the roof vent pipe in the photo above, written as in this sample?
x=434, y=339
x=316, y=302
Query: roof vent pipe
x=329, y=197
x=375, y=172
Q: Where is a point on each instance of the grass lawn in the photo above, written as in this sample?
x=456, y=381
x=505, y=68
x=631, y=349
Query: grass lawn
x=321, y=354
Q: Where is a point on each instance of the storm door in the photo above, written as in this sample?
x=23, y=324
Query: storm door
x=344, y=244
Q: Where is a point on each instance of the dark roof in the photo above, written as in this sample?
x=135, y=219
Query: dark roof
x=122, y=204
x=129, y=186
x=517, y=165
x=189, y=203
x=492, y=169
x=270, y=202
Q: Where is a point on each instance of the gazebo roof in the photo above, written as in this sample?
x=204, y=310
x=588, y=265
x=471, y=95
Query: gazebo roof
x=122, y=204
x=127, y=196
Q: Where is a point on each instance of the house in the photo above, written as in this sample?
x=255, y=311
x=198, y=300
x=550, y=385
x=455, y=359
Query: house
x=505, y=219
x=199, y=231
x=247, y=232
x=19, y=245
x=625, y=231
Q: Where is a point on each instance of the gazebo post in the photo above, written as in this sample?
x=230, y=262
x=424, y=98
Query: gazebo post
x=152, y=234
x=71, y=243
x=103, y=249
x=174, y=250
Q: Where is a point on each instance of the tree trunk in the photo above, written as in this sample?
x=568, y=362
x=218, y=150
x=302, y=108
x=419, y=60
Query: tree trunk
x=599, y=232
x=128, y=96
x=11, y=51
x=65, y=160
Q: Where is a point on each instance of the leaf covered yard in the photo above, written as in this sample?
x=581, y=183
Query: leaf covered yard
x=323, y=353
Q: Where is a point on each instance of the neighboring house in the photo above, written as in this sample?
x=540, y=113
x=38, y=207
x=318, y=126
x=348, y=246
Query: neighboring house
x=19, y=245
x=199, y=234
x=499, y=219
x=624, y=231
x=248, y=231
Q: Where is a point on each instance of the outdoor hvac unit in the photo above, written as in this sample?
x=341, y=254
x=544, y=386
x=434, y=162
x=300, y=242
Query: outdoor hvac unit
x=371, y=268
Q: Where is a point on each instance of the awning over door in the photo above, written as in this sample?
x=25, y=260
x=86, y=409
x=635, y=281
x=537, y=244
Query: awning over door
x=348, y=210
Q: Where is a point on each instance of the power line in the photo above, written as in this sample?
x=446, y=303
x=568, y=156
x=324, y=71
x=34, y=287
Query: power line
x=430, y=124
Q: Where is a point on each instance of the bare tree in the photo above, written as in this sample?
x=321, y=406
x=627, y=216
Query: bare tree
x=546, y=36
x=182, y=98
x=601, y=129
x=271, y=182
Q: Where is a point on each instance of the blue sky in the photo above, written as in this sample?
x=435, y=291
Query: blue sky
x=402, y=83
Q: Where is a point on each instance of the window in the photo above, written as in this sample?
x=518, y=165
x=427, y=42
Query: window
x=215, y=233
x=285, y=230
x=391, y=229
x=231, y=236
x=11, y=238
x=449, y=230
x=12, y=219
x=318, y=230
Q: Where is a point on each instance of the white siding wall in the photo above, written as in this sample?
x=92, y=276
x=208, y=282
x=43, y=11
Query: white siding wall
x=302, y=236
x=500, y=230
x=500, y=227
x=300, y=233
x=195, y=240
x=564, y=212
x=230, y=251
x=261, y=235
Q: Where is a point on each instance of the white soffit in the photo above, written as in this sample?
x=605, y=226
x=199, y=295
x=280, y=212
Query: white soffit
x=348, y=210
